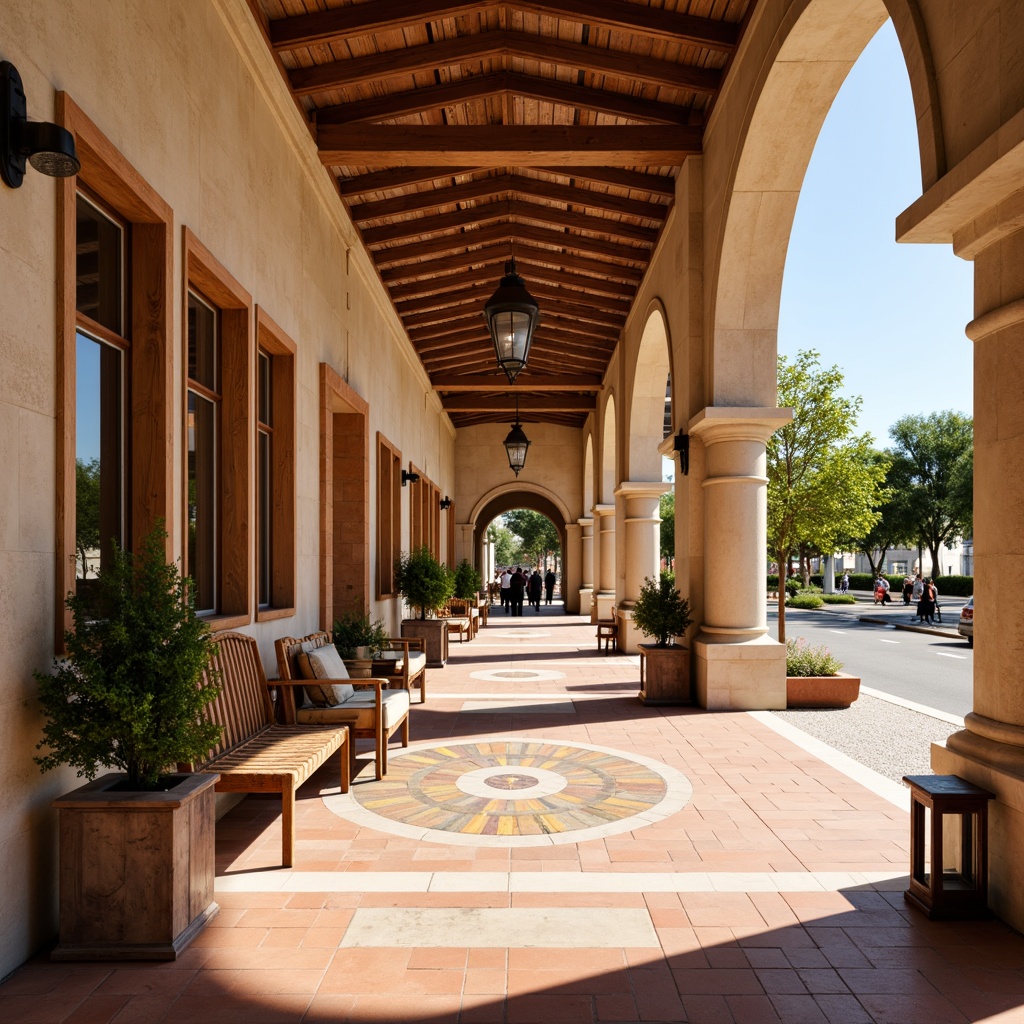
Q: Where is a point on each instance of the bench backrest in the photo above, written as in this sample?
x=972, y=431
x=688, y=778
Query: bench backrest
x=288, y=649
x=243, y=706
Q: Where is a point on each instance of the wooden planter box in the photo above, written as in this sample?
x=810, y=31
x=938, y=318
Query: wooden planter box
x=665, y=674
x=838, y=691
x=136, y=869
x=435, y=632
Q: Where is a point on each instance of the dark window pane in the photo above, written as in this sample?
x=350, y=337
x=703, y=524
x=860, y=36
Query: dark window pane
x=99, y=454
x=264, y=411
x=202, y=507
x=202, y=343
x=264, y=497
x=99, y=262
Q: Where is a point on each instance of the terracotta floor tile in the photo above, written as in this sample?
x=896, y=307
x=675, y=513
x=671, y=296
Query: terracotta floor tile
x=728, y=981
x=97, y=1009
x=485, y=981
x=490, y=959
x=753, y=1009
x=565, y=1009
x=445, y=958
x=707, y=1010
x=912, y=1009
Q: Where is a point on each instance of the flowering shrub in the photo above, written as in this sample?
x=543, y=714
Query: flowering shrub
x=804, y=660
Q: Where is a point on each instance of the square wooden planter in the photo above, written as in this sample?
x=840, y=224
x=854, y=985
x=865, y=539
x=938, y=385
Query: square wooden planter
x=665, y=674
x=435, y=632
x=136, y=869
x=838, y=691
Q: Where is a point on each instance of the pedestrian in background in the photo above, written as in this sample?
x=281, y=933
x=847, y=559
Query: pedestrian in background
x=535, y=587
x=549, y=586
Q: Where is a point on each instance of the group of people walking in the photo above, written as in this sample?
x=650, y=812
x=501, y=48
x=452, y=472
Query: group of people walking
x=516, y=584
x=916, y=590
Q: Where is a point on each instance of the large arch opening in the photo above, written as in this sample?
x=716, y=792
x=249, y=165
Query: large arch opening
x=649, y=423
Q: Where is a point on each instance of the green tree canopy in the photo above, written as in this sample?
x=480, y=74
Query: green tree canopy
x=537, y=534
x=87, y=510
x=504, y=544
x=935, y=454
x=889, y=531
x=667, y=511
x=822, y=483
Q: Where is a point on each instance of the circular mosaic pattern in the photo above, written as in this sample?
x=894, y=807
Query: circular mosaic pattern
x=515, y=792
x=505, y=675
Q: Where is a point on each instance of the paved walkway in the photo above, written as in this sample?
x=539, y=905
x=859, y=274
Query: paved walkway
x=549, y=850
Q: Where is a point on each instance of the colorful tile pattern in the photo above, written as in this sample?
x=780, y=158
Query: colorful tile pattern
x=520, y=789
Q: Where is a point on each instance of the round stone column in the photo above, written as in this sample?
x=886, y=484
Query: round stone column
x=571, y=588
x=738, y=666
x=587, y=568
x=642, y=527
x=604, y=524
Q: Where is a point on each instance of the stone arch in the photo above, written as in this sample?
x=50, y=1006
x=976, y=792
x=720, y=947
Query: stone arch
x=645, y=427
x=518, y=495
x=813, y=48
x=608, y=453
x=588, y=475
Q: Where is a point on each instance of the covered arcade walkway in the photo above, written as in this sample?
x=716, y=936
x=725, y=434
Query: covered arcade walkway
x=551, y=850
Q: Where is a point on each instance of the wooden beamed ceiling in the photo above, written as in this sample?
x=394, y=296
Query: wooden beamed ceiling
x=461, y=134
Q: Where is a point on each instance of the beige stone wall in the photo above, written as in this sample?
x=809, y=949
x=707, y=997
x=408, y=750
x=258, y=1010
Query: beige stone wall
x=188, y=94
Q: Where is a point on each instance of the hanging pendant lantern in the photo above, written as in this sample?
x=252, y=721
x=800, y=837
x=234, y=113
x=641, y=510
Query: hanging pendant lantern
x=511, y=314
x=516, y=444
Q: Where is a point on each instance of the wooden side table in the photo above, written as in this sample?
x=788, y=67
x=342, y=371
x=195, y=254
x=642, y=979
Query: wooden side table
x=961, y=889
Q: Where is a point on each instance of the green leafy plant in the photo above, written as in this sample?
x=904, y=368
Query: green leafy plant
x=805, y=601
x=804, y=660
x=660, y=611
x=467, y=581
x=423, y=581
x=353, y=630
x=839, y=599
x=131, y=694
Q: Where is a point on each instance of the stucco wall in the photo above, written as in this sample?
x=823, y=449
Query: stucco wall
x=172, y=86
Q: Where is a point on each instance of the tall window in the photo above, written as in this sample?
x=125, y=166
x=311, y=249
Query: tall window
x=220, y=438
x=100, y=380
x=389, y=514
x=424, y=514
x=201, y=480
x=114, y=335
x=275, y=470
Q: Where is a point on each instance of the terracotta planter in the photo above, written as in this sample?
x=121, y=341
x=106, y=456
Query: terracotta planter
x=838, y=691
x=435, y=632
x=665, y=674
x=136, y=869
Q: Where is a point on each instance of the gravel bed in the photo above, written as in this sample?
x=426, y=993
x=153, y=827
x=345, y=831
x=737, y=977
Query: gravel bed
x=892, y=740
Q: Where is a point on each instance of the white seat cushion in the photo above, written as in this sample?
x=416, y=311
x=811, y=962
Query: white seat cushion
x=359, y=710
x=417, y=663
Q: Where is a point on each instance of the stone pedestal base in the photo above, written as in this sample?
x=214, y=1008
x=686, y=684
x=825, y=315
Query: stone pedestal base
x=744, y=675
x=586, y=601
x=605, y=603
x=630, y=637
x=1005, y=816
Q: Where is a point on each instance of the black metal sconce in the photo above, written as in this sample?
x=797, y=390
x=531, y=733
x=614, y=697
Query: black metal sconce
x=511, y=314
x=49, y=148
x=446, y=503
x=409, y=478
x=682, y=447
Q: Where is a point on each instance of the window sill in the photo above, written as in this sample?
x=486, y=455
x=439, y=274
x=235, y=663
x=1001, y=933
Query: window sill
x=229, y=621
x=269, y=614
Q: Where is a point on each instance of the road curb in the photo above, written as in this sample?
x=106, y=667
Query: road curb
x=879, y=621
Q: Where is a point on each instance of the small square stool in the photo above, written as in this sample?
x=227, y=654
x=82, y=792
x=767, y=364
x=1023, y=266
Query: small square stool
x=961, y=890
x=607, y=634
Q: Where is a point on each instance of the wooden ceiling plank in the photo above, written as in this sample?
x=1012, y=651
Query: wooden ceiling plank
x=606, y=227
x=527, y=404
x=404, y=61
x=491, y=255
x=466, y=90
x=396, y=177
x=416, y=227
x=507, y=145
x=340, y=23
x=458, y=383
x=640, y=181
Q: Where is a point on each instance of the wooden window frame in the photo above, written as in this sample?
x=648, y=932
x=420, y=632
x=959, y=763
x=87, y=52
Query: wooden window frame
x=207, y=276
x=450, y=535
x=389, y=515
x=424, y=514
x=107, y=177
x=275, y=343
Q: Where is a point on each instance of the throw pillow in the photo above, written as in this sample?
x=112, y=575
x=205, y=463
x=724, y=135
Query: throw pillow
x=325, y=663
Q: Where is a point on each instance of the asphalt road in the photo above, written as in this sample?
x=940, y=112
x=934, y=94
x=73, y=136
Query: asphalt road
x=935, y=671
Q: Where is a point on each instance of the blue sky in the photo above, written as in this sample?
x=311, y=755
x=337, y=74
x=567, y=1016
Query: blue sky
x=891, y=316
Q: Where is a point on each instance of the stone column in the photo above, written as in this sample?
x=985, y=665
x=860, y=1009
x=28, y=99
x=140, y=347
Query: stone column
x=604, y=597
x=642, y=528
x=586, y=606
x=571, y=577
x=738, y=666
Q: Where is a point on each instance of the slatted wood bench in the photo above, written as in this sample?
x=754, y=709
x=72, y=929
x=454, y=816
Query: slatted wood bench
x=255, y=754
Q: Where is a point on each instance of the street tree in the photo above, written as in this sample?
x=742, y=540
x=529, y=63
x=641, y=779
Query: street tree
x=890, y=530
x=936, y=454
x=87, y=510
x=821, y=484
x=504, y=544
x=667, y=511
x=537, y=534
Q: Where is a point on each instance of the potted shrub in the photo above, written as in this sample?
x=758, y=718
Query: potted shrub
x=467, y=581
x=136, y=846
x=814, y=679
x=425, y=584
x=359, y=641
x=663, y=613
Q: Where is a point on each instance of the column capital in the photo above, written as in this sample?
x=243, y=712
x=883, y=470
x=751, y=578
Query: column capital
x=643, y=488
x=717, y=423
x=585, y=522
x=603, y=510
x=573, y=528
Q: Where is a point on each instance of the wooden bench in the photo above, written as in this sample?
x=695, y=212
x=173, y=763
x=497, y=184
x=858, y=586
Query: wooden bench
x=457, y=625
x=468, y=610
x=374, y=712
x=255, y=754
x=404, y=664
x=607, y=634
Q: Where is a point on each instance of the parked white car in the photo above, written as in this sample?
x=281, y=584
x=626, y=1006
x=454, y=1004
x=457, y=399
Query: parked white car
x=965, y=627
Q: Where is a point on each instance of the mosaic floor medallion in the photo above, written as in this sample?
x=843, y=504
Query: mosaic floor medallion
x=514, y=792
x=513, y=675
